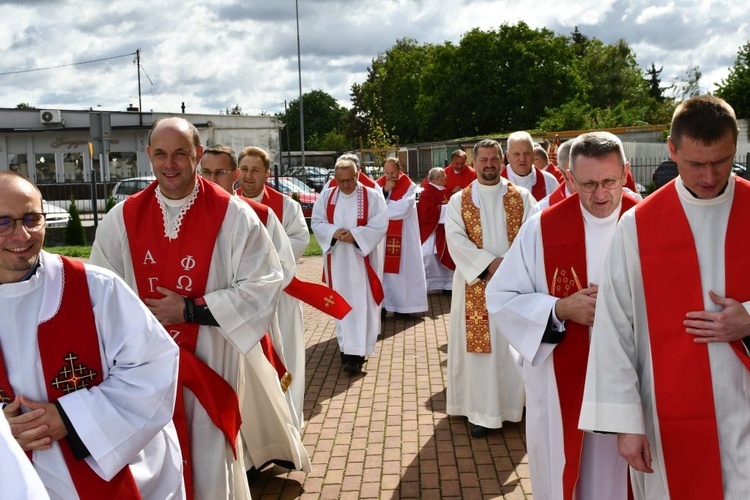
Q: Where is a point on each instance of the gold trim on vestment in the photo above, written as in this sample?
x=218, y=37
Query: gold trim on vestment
x=477, y=320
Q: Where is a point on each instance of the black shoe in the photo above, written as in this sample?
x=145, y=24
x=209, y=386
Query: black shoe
x=477, y=431
x=286, y=464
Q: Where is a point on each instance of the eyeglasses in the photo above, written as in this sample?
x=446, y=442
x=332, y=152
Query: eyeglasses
x=32, y=222
x=590, y=186
x=212, y=173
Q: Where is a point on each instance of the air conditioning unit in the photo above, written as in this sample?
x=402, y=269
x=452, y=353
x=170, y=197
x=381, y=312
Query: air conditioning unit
x=50, y=116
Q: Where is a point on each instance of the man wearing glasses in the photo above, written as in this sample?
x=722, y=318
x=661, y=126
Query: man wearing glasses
x=543, y=299
x=87, y=373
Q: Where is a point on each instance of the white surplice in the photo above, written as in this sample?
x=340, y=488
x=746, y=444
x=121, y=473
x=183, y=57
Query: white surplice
x=290, y=317
x=619, y=382
x=519, y=302
x=487, y=388
x=126, y=419
x=528, y=181
x=270, y=429
x=358, y=331
x=242, y=291
x=406, y=291
x=17, y=475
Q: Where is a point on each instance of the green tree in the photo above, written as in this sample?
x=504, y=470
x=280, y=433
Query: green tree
x=24, y=105
x=735, y=88
x=74, y=232
x=323, y=114
x=654, y=83
x=236, y=111
x=688, y=85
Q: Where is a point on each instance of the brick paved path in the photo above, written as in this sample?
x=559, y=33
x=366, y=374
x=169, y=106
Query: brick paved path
x=385, y=434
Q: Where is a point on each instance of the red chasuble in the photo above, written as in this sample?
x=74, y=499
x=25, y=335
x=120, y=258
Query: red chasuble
x=69, y=352
x=428, y=212
x=552, y=169
x=682, y=372
x=539, y=189
x=376, y=287
x=182, y=265
x=394, y=234
x=564, y=241
x=461, y=180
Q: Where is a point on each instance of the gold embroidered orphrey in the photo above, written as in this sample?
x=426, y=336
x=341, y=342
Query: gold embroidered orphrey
x=73, y=376
x=477, y=321
x=4, y=397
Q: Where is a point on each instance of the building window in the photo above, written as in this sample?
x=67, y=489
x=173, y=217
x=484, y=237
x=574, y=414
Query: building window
x=45, y=168
x=73, y=167
x=123, y=165
x=18, y=163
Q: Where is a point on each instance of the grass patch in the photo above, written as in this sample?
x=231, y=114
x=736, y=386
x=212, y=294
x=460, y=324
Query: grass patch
x=312, y=249
x=71, y=251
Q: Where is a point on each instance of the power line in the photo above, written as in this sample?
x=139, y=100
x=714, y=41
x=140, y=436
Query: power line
x=65, y=65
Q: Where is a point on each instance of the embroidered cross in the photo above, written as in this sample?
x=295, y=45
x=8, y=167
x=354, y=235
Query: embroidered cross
x=476, y=316
x=329, y=301
x=74, y=376
x=393, y=247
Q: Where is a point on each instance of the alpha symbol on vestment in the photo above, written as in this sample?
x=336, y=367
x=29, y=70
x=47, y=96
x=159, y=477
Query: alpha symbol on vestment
x=188, y=263
x=73, y=376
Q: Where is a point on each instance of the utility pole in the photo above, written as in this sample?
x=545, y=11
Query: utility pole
x=140, y=104
x=299, y=73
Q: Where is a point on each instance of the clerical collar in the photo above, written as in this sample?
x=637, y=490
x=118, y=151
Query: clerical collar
x=439, y=188
x=696, y=196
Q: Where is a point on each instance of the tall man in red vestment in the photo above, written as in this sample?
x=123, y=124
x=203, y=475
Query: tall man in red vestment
x=668, y=369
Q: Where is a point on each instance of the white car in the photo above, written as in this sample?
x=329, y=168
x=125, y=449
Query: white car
x=56, y=216
x=127, y=187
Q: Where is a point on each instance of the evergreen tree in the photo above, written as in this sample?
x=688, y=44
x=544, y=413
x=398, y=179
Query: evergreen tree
x=74, y=232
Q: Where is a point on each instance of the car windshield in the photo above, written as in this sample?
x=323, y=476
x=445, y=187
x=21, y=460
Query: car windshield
x=293, y=185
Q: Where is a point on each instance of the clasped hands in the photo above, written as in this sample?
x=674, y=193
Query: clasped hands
x=36, y=429
x=344, y=235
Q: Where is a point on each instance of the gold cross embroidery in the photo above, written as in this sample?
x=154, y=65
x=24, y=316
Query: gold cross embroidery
x=393, y=246
x=74, y=376
x=329, y=301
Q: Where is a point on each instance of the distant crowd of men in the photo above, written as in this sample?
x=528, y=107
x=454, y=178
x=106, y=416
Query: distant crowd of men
x=171, y=364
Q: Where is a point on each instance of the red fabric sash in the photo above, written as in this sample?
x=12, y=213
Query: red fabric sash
x=182, y=265
x=376, y=287
x=539, y=189
x=552, y=169
x=558, y=194
x=454, y=180
x=318, y=296
x=69, y=352
x=275, y=200
x=630, y=182
x=564, y=238
x=395, y=231
x=428, y=212
x=682, y=371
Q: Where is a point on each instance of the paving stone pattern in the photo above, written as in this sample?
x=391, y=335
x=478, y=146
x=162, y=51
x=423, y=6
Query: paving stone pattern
x=385, y=434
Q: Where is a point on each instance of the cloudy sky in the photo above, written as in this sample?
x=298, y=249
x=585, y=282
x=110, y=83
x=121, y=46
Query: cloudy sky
x=213, y=54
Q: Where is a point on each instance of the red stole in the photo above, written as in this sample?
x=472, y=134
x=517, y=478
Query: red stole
x=682, y=372
x=630, y=182
x=69, y=352
x=461, y=180
x=428, y=212
x=361, y=178
x=539, y=189
x=552, y=169
x=558, y=194
x=272, y=199
x=394, y=234
x=564, y=237
x=376, y=287
x=182, y=265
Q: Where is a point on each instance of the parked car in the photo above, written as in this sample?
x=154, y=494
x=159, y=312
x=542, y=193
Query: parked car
x=127, y=187
x=56, y=216
x=315, y=177
x=667, y=170
x=290, y=186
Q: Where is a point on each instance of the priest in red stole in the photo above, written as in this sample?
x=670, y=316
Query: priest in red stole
x=362, y=178
x=668, y=367
x=542, y=163
x=521, y=170
x=202, y=262
x=87, y=374
x=254, y=166
x=431, y=209
x=349, y=222
x=543, y=299
x=403, y=272
x=269, y=426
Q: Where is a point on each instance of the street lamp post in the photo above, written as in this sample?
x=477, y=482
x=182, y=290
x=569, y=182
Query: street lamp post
x=301, y=107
